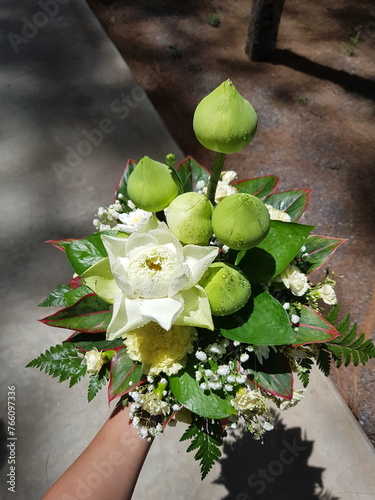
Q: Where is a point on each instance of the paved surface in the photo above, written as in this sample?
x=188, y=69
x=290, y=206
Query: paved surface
x=71, y=117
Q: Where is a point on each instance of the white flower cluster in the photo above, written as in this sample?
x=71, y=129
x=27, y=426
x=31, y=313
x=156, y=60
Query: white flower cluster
x=117, y=218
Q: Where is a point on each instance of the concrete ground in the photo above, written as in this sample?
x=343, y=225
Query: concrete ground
x=63, y=84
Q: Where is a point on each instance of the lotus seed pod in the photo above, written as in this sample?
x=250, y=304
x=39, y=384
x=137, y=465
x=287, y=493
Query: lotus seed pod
x=224, y=121
x=189, y=218
x=227, y=288
x=241, y=221
x=152, y=185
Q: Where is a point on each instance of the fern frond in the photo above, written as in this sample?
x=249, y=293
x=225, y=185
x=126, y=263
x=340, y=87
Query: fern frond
x=61, y=361
x=206, y=438
x=96, y=382
x=349, y=347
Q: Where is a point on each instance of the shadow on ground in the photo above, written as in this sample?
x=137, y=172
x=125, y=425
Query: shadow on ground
x=276, y=469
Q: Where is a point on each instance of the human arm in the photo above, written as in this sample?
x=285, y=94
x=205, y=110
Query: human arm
x=109, y=467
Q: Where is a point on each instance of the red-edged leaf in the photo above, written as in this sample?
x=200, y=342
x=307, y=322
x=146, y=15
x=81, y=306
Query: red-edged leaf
x=259, y=186
x=313, y=328
x=61, y=244
x=294, y=203
x=89, y=315
x=275, y=376
x=75, y=282
x=125, y=375
x=318, y=249
x=122, y=183
x=190, y=173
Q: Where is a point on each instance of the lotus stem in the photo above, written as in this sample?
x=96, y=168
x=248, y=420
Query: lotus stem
x=215, y=176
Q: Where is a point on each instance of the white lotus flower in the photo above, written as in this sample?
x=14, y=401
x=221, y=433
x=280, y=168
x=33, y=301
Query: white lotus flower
x=156, y=280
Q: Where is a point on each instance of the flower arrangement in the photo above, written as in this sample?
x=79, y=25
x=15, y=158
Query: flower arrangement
x=194, y=300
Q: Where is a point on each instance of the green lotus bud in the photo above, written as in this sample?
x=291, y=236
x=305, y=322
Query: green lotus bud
x=224, y=121
x=189, y=218
x=152, y=185
x=227, y=288
x=241, y=221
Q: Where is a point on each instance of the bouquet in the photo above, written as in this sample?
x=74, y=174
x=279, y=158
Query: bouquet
x=193, y=300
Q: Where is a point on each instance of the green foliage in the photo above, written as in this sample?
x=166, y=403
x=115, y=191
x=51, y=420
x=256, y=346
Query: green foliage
x=248, y=324
x=57, y=297
x=206, y=403
x=259, y=187
x=206, y=436
x=349, y=347
x=294, y=203
x=214, y=20
x=302, y=101
x=89, y=314
x=96, y=382
x=61, y=361
x=304, y=374
x=125, y=374
x=275, y=252
x=190, y=173
x=353, y=41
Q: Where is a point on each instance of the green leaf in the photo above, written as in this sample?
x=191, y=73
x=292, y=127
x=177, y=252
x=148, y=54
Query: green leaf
x=84, y=253
x=204, y=403
x=62, y=244
x=263, y=321
x=87, y=341
x=190, y=173
x=324, y=361
x=275, y=252
x=61, y=361
x=294, y=203
x=349, y=347
x=318, y=250
x=313, y=328
x=304, y=374
x=90, y=315
x=206, y=438
x=125, y=375
x=74, y=295
x=123, y=182
x=275, y=376
x=57, y=297
x=96, y=382
x=99, y=279
x=259, y=187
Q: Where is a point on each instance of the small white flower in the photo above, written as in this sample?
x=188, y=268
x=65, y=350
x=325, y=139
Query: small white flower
x=327, y=293
x=295, y=319
x=203, y=386
x=228, y=387
x=94, y=361
x=208, y=373
x=198, y=376
x=267, y=426
x=133, y=221
x=201, y=355
x=244, y=357
x=286, y=306
x=223, y=370
x=276, y=214
x=241, y=379
x=294, y=279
